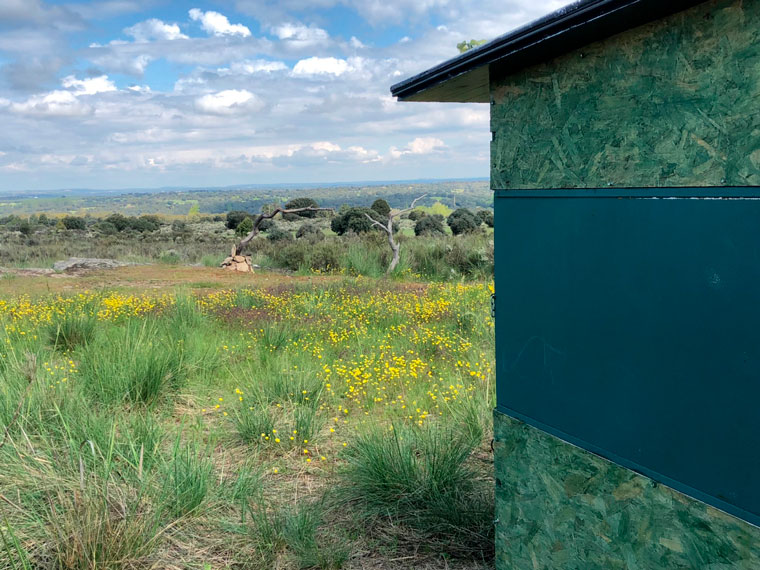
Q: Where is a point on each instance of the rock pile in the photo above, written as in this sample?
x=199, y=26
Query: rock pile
x=238, y=263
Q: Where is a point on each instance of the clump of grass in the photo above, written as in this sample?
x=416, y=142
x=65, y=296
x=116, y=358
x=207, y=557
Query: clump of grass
x=244, y=299
x=246, y=485
x=418, y=486
x=71, y=331
x=16, y=555
x=280, y=382
x=184, y=315
x=307, y=421
x=300, y=531
x=110, y=527
x=134, y=364
x=309, y=547
x=266, y=530
x=187, y=476
x=209, y=260
x=276, y=336
x=253, y=421
x=140, y=445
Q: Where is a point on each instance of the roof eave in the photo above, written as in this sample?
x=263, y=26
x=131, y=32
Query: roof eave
x=465, y=78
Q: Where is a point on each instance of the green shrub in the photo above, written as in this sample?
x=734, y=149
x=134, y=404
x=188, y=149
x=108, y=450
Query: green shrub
x=106, y=228
x=235, y=218
x=305, y=254
x=462, y=221
x=429, y=226
x=486, y=216
x=170, y=257
x=266, y=224
x=310, y=232
x=278, y=234
x=73, y=223
x=381, y=207
x=417, y=214
x=354, y=219
x=244, y=227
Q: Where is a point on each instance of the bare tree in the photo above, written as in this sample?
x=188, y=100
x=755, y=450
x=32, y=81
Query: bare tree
x=388, y=229
x=240, y=246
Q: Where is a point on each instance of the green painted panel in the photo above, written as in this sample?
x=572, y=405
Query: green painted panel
x=630, y=327
x=559, y=506
x=672, y=103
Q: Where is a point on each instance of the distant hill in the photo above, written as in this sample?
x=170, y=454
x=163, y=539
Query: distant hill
x=251, y=197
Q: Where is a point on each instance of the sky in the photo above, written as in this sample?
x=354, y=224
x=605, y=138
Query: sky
x=142, y=94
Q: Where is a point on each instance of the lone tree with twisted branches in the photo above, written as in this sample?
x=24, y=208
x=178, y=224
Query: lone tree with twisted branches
x=237, y=259
x=388, y=229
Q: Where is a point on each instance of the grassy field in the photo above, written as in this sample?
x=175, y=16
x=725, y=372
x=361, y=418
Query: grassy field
x=195, y=418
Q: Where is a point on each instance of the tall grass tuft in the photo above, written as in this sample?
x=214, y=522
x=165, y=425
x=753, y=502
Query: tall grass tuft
x=110, y=527
x=71, y=331
x=133, y=364
x=420, y=483
x=16, y=555
x=187, y=477
x=307, y=421
x=253, y=421
x=301, y=531
x=309, y=547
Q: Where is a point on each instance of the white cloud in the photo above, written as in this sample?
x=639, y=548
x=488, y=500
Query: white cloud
x=217, y=24
x=89, y=86
x=420, y=145
x=118, y=61
x=251, y=67
x=323, y=153
x=229, y=102
x=303, y=36
x=356, y=43
x=154, y=29
x=321, y=66
x=55, y=104
x=139, y=88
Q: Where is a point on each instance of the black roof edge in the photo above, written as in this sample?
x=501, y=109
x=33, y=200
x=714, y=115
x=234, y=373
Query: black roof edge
x=585, y=18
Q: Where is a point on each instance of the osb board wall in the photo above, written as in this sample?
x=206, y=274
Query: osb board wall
x=559, y=506
x=672, y=103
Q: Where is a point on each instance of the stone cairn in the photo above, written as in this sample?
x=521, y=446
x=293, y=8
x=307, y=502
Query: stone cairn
x=238, y=263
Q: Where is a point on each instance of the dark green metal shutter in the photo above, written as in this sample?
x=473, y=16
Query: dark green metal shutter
x=628, y=322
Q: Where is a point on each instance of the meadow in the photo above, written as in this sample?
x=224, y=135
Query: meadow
x=245, y=421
